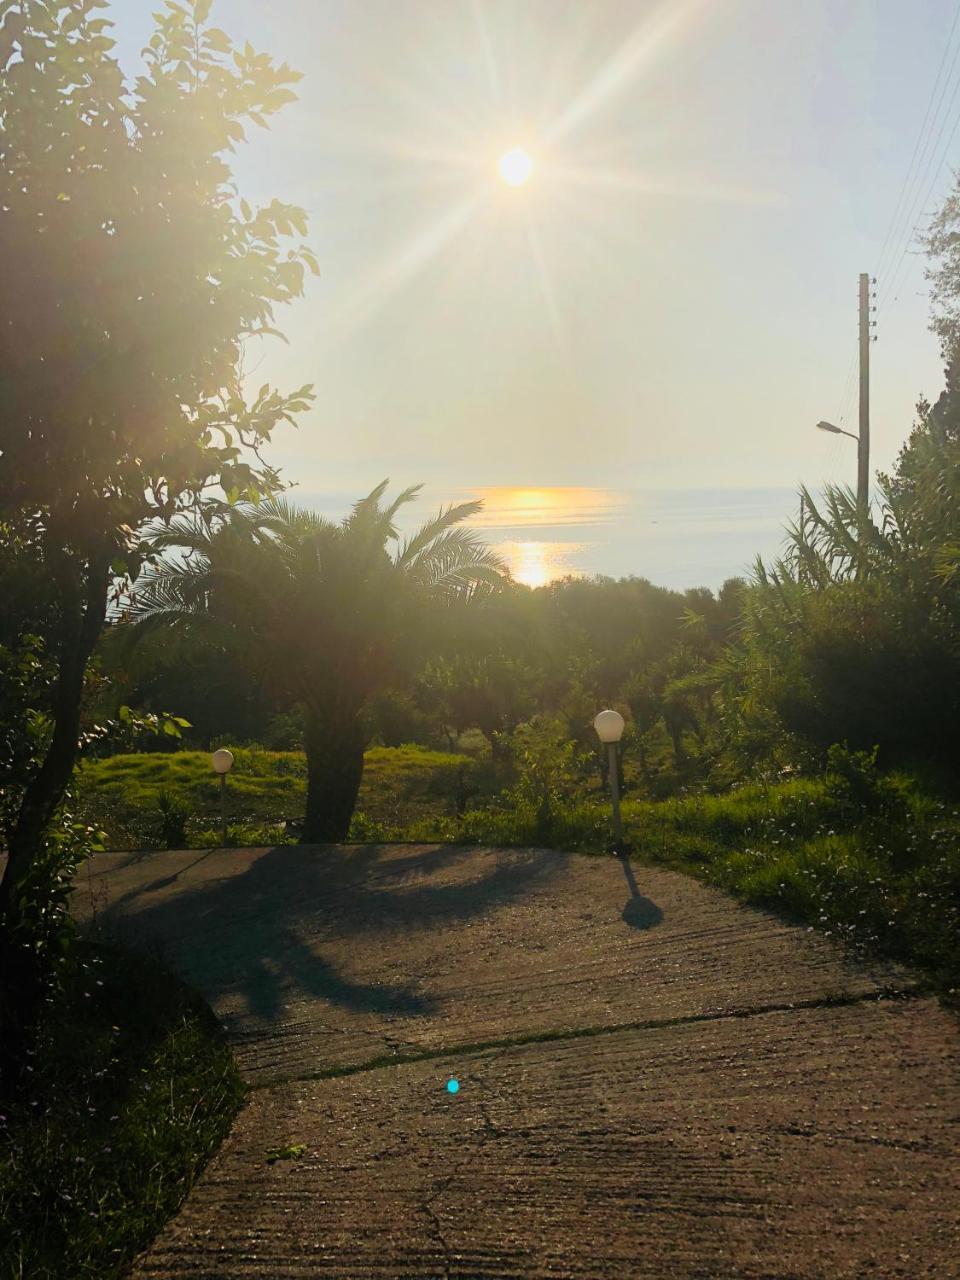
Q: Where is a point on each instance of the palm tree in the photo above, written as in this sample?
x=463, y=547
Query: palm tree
x=325, y=614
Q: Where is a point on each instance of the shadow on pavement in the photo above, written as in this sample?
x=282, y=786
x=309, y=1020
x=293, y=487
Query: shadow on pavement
x=261, y=931
x=640, y=912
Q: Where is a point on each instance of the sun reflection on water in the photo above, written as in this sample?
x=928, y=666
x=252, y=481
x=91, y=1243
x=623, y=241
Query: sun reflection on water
x=536, y=563
x=532, y=521
x=521, y=507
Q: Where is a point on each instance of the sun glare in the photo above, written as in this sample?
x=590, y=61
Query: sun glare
x=467, y=157
x=515, y=166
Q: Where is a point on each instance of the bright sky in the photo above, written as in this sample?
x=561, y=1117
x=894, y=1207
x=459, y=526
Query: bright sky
x=668, y=303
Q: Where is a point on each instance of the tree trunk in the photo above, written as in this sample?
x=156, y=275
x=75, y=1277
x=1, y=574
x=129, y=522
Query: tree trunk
x=83, y=602
x=674, y=726
x=334, y=749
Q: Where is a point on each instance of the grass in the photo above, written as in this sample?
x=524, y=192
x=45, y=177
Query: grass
x=131, y=1090
x=122, y=794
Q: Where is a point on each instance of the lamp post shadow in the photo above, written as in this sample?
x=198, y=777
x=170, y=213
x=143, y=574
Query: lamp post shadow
x=639, y=912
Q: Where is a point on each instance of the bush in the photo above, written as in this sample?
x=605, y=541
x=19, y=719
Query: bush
x=855, y=783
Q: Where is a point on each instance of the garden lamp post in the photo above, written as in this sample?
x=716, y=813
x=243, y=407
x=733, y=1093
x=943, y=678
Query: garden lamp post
x=609, y=727
x=222, y=761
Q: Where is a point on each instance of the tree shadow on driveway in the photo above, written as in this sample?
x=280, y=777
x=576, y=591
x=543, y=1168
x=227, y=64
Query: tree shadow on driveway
x=260, y=931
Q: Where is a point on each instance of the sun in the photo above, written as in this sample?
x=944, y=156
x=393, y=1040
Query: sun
x=515, y=166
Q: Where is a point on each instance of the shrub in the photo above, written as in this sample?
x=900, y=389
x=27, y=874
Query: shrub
x=242, y=836
x=173, y=816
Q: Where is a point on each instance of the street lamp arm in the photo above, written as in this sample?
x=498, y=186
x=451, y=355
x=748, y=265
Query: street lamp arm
x=837, y=431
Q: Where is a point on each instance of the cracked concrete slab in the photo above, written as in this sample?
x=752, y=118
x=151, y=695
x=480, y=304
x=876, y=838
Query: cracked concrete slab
x=655, y=1081
x=815, y=1143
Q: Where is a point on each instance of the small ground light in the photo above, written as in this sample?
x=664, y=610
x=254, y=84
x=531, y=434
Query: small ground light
x=222, y=761
x=453, y=1086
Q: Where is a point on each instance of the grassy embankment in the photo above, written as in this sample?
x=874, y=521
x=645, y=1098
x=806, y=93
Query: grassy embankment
x=130, y=1089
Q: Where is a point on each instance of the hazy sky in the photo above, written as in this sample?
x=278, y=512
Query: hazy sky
x=669, y=303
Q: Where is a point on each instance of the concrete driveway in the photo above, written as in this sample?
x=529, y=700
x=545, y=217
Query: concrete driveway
x=654, y=1081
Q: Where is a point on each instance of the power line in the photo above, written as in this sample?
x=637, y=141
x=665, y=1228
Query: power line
x=847, y=392
x=934, y=163
x=936, y=178
x=916, y=148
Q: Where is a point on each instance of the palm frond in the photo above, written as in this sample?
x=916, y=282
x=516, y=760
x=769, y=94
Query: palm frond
x=456, y=561
x=374, y=525
x=406, y=495
x=427, y=533
x=284, y=518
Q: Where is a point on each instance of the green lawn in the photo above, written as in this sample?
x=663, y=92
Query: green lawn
x=122, y=794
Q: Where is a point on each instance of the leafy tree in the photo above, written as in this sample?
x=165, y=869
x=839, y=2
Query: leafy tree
x=133, y=273
x=860, y=636
x=493, y=693
x=324, y=614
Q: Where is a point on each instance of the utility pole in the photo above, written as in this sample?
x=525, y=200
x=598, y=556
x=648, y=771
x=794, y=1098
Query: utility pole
x=863, y=442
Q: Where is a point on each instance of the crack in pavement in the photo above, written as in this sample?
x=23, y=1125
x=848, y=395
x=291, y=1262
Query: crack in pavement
x=913, y=991
x=488, y=1130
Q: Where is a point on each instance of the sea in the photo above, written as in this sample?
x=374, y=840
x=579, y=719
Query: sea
x=678, y=538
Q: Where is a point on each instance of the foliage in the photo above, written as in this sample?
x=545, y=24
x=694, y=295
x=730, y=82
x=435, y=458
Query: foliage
x=24, y=729
x=291, y=1152
x=37, y=940
x=854, y=781
x=132, y=730
x=548, y=779
x=241, y=835
x=130, y=1088
x=854, y=635
x=134, y=269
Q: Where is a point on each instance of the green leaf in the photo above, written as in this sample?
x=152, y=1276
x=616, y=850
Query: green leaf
x=292, y=1152
x=216, y=40
x=201, y=11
